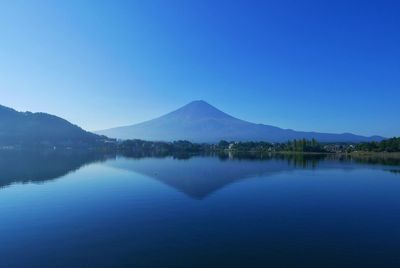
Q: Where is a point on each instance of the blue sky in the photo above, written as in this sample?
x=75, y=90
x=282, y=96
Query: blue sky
x=331, y=66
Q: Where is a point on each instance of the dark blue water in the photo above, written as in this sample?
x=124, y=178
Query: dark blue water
x=85, y=210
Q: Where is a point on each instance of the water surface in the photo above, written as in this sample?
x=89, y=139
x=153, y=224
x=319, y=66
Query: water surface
x=68, y=209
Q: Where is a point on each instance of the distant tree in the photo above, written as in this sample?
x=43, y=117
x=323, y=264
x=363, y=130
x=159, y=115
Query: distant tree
x=223, y=144
x=389, y=145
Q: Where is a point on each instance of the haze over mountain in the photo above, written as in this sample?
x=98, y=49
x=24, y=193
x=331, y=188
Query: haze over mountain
x=199, y=121
x=26, y=128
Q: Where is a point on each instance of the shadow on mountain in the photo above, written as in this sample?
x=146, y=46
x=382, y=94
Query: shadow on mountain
x=42, y=166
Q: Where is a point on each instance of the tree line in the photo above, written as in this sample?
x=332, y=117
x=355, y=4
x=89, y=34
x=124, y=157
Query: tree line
x=389, y=145
x=301, y=145
x=189, y=147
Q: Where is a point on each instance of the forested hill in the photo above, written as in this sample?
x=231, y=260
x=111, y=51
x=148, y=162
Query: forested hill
x=28, y=129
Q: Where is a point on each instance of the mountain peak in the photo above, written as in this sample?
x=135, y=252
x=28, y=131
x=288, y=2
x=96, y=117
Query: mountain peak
x=199, y=109
x=199, y=104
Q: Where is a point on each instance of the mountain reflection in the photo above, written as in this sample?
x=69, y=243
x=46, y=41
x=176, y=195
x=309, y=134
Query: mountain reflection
x=42, y=166
x=195, y=175
x=199, y=176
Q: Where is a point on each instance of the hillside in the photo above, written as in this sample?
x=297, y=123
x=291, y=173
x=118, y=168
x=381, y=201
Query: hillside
x=28, y=129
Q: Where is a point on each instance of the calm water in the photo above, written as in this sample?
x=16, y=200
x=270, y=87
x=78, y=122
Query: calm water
x=88, y=210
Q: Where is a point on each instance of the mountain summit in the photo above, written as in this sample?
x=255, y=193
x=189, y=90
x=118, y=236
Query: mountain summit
x=199, y=121
x=199, y=109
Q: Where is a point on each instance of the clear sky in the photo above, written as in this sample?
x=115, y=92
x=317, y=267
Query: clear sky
x=331, y=66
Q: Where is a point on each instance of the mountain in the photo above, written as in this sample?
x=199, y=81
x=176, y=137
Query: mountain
x=199, y=121
x=31, y=129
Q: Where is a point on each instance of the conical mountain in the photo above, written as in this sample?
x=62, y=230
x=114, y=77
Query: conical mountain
x=199, y=121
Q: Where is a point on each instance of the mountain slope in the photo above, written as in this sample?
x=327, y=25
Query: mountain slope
x=26, y=128
x=198, y=121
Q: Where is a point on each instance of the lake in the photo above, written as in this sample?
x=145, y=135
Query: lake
x=79, y=209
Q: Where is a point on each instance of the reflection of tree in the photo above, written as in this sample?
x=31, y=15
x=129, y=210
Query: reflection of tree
x=299, y=160
x=386, y=160
x=395, y=171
